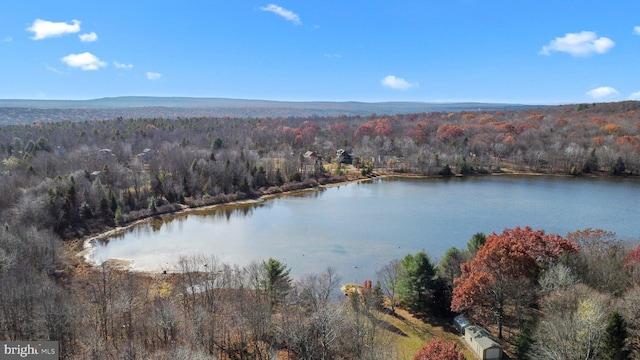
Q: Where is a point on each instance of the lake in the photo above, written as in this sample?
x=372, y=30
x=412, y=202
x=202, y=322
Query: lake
x=358, y=227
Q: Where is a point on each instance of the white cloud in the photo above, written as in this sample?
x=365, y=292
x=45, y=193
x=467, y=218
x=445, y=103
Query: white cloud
x=122, y=66
x=333, y=56
x=52, y=69
x=90, y=37
x=7, y=39
x=287, y=14
x=635, y=96
x=397, y=83
x=602, y=92
x=44, y=29
x=153, y=75
x=85, y=61
x=636, y=30
x=584, y=43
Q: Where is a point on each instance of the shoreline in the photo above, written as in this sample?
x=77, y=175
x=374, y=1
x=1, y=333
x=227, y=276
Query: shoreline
x=89, y=243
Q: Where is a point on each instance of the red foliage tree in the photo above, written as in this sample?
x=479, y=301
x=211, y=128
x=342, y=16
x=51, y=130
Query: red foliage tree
x=367, y=285
x=633, y=258
x=446, y=131
x=417, y=135
x=365, y=129
x=508, y=139
x=383, y=127
x=502, y=270
x=438, y=349
x=527, y=126
x=598, y=141
x=627, y=140
x=337, y=127
x=378, y=127
x=503, y=127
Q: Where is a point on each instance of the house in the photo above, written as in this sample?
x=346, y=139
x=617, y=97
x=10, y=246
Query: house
x=312, y=156
x=460, y=322
x=482, y=343
x=346, y=156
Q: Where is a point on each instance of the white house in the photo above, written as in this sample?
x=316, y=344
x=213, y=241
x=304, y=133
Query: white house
x=482, y=343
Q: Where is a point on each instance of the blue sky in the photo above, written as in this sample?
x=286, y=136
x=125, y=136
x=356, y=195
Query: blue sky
x=535, y=52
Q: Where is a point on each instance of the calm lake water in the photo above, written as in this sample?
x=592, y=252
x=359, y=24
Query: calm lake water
x=359, y=227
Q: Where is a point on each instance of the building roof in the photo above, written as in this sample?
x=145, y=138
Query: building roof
x=482, y=337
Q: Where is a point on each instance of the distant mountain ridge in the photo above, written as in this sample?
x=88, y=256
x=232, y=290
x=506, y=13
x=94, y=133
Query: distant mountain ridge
x=20, y=111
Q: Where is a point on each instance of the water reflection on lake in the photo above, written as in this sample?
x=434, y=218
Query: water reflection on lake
x=359, y=227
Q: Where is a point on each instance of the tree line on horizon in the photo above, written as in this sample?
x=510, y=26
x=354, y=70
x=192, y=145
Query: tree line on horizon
x=65, y=180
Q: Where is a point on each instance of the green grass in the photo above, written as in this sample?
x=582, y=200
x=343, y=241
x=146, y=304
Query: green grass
x=409, y=334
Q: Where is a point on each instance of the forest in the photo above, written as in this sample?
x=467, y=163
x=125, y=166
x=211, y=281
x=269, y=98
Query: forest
x=569, y=296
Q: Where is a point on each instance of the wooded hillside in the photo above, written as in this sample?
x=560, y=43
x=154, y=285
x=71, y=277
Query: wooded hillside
x=64, y=180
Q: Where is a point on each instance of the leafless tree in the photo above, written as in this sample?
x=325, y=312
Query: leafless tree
x=388, y=276
x=572, y=324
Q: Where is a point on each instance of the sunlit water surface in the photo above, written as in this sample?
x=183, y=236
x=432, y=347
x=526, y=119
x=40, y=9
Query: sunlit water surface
x=359, y=227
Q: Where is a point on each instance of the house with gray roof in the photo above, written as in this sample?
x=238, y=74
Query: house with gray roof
x=481, y=342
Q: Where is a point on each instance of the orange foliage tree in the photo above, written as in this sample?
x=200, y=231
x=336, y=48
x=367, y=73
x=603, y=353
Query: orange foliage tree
x=438, y=349
x=503, y=272
x=627, y=140
x=598, y=141
x=612, y=129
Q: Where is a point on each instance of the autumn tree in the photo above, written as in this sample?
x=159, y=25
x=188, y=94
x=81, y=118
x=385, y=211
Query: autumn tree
x=439, y=349
x=632, y=261
x=504, y=272
x=633, y=256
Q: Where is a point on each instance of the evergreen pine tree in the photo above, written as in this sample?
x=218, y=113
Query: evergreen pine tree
x=276, y=281
x=416, y=281
x=614, y=343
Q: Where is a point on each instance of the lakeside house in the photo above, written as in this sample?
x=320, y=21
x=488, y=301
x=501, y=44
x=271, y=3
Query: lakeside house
x=346, y=156
x=312, y=155
x=479, y=340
